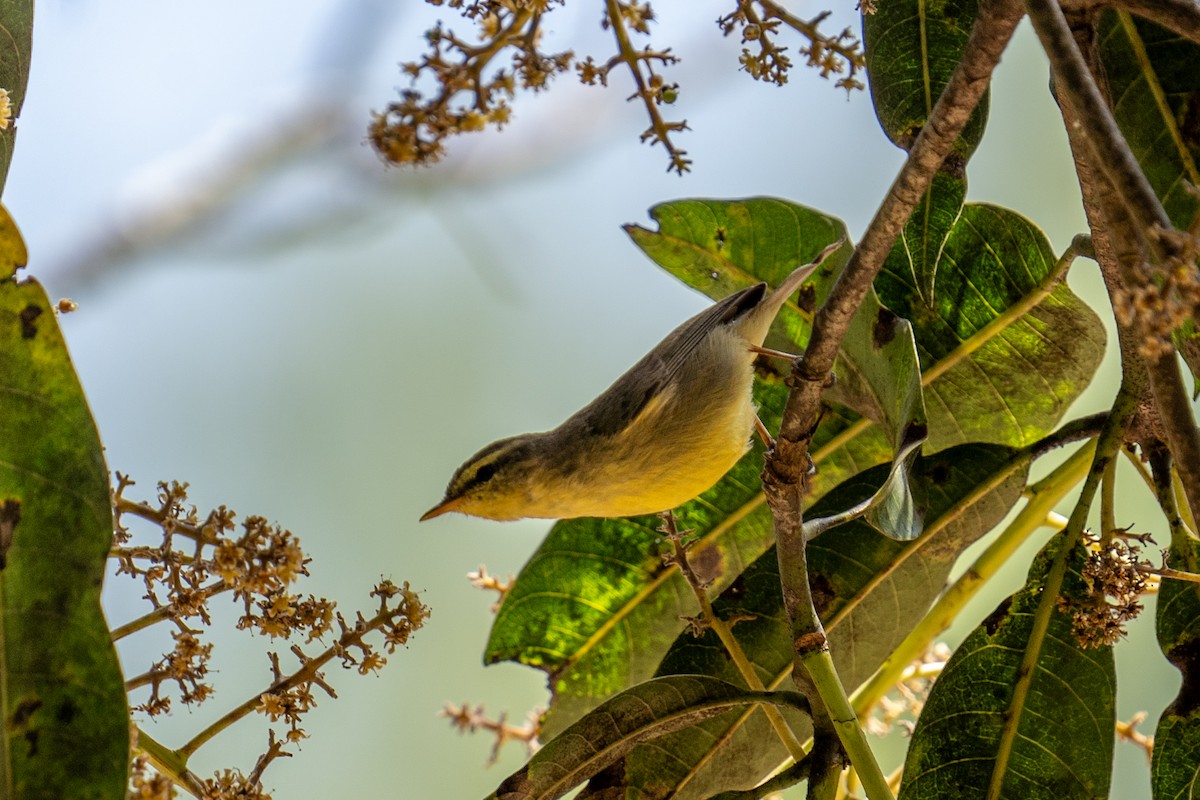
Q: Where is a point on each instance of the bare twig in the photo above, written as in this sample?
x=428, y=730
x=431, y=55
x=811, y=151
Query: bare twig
x=649, y=89
x=724, y=630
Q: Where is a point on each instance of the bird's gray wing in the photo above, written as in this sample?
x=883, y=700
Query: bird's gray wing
x=619, y=405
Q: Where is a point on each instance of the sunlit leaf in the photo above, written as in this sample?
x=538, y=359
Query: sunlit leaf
x=1018, y=385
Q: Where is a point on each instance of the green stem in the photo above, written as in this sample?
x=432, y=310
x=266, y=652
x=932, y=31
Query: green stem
x=1044, y=496
x=170, y=763
x=819, y=665
x=161, y=613
x=1108, y=517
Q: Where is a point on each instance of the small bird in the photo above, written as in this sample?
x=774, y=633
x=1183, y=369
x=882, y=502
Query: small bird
x=664, y=432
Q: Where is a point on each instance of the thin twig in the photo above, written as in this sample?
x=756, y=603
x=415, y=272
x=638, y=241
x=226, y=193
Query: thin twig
x=724, y=632
x=660, y=130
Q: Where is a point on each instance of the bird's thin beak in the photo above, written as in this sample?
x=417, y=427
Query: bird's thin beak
x=443, y=507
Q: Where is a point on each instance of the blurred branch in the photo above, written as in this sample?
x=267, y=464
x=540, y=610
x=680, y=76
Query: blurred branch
x=186, y=208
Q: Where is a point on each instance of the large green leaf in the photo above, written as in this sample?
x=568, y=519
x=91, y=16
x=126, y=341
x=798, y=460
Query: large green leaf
x=1175, y=770
x=912, y=48
x=16, y=36
x=642, y=713
x=1154, y=83
x=1017, y=386
x=870, y=591
x=66, y=730
x=979, y=736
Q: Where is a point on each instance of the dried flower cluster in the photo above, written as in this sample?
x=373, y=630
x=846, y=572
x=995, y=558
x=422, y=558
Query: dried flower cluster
x=1115, y=582
x=147, y=784
x=1160, y=308
x=231, y=784
x=465, y=719
x=195, y=560
x=467, y=98
x=198, y=559
x=470, y=93
x=759, y=22
x=480, y=579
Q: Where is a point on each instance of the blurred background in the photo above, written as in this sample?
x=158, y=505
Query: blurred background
x=270, y=314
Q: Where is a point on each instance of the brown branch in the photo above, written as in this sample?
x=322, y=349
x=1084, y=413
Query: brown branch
x=785, y=475
x=1121, y=243
x=660, y=130
x=1179, y=16
x=1074, y=83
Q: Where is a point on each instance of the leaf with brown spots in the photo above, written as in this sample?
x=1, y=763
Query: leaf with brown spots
x=65, y=719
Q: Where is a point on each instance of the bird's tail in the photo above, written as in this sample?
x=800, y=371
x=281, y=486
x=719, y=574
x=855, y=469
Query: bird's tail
x=759, y=321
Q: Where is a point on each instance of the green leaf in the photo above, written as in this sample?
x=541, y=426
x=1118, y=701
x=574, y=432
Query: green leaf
x=16, y=37
x=13, y=255
x=912, y=47
x=1155, y=90
x=66, y=722
x=926, y=231
x=641, y=713
x=1062, y=744
x=870, y=591
x=1016, y=387
x=1175, y=768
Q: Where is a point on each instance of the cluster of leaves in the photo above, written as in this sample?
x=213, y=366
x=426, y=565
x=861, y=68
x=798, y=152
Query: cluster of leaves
x=467, y=99
x=198, y=558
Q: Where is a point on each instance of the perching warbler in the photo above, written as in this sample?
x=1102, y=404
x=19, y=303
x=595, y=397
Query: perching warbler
x=667, y=430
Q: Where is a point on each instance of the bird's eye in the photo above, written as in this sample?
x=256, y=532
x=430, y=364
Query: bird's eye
x=484, y=473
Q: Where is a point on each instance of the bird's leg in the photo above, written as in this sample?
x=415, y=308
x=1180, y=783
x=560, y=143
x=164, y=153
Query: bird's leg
x=763, y=433
x=766, y=351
